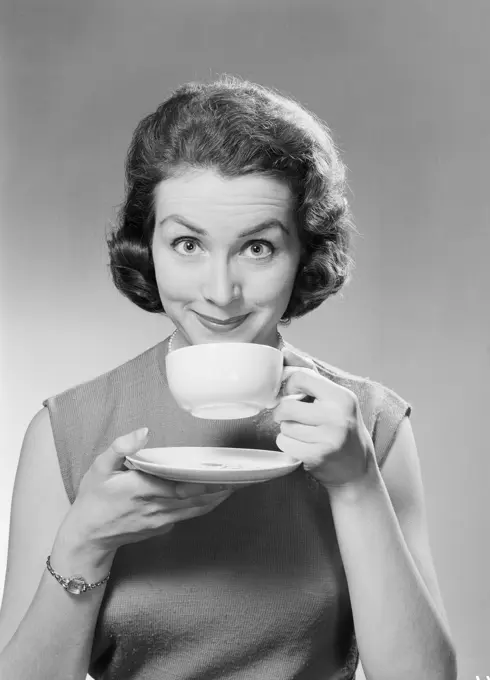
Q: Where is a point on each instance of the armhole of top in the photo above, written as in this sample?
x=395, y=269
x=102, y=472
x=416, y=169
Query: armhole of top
x=383, y=409
x=61, y=449
x=391, y=411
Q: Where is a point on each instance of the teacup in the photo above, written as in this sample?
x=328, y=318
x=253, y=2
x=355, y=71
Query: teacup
x=227, y=380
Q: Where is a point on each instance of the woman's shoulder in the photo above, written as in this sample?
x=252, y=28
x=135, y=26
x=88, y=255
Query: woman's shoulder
x=114, y=380
x=353, y=381
x=85, y=418
x=382, y=408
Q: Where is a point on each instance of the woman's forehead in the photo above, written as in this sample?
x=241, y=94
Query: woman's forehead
x=197, y=193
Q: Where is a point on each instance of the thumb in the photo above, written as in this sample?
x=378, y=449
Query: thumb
x=114, y=456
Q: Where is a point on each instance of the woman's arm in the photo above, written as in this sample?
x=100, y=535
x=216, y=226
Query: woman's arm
x=45, y=633
x=400, y=622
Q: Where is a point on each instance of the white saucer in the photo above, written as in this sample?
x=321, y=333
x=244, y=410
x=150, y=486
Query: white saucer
x=212, y=465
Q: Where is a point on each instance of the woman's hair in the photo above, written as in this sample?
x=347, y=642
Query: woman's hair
x=236, y=128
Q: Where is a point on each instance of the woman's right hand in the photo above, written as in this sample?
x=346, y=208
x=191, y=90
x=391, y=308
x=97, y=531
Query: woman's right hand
x=116, y=506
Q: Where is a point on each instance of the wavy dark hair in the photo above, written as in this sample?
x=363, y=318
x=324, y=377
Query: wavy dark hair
x=237, y=128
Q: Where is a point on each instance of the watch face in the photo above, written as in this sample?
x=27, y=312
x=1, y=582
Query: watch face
x=76, y=585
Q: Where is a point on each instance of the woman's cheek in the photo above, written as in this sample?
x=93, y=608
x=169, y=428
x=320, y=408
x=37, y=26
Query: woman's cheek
x=281, y=276
x=174, y=279
x=274, y=289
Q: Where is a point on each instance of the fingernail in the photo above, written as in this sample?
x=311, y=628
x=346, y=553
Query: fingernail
x=141, y=434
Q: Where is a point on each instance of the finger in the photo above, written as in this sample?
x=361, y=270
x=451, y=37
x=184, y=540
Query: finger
x=304, y=451
x=199, y=501
x=191, y=489
x=158, y=487
x=165, y=506
x=190, y=513
x=312, y=383
x=301, y=412
x=113, y=458
x=212, y=497
x=205, y=501
x=302, y=433
x=152, y=487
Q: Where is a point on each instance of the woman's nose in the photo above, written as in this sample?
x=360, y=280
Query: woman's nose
x=221, y=287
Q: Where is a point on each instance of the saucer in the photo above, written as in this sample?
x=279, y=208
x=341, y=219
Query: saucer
x=212, y=464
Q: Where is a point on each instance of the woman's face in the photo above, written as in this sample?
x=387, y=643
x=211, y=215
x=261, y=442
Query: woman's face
x=226, y=253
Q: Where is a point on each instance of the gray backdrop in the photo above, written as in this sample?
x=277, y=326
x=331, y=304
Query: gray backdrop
x=405, y=87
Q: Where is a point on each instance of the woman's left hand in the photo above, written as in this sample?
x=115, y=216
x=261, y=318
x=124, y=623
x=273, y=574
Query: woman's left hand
x=329, y=434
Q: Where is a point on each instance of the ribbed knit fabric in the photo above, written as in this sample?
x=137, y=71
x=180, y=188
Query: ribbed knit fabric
x=254, y=590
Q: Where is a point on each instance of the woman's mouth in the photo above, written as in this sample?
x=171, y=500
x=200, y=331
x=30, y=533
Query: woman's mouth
x=221, y=325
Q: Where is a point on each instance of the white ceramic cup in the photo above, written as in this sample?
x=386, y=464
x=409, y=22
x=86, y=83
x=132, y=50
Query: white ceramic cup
x=227, y=380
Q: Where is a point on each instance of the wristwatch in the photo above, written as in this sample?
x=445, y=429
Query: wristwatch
x=76, y=585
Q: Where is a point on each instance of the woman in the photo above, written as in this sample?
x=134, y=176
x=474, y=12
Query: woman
x=235, y=221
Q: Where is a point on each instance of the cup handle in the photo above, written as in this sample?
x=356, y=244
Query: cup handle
x=297, y=396
x=287, y=373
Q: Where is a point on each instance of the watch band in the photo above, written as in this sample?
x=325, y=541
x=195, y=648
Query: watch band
x=76, y=585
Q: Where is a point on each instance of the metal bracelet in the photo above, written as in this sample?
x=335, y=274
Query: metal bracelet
x=75, y=584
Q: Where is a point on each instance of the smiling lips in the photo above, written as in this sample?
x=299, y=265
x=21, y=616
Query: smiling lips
x=224, y=324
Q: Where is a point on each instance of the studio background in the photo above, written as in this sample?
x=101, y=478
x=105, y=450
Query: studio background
x=405, y=88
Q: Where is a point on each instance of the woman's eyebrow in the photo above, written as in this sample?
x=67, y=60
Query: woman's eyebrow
x=262, y=226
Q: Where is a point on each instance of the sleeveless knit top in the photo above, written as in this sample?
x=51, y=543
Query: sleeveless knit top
x=255, y=589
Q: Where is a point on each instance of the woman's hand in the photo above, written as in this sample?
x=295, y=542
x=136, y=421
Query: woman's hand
x=328, y=435
x=116, y=506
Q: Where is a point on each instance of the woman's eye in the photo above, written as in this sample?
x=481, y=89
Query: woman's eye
x=185, y=246
x=258, y=250
x=261, y=249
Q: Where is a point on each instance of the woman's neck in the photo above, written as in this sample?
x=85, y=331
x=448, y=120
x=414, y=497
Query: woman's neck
x=178, y=340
